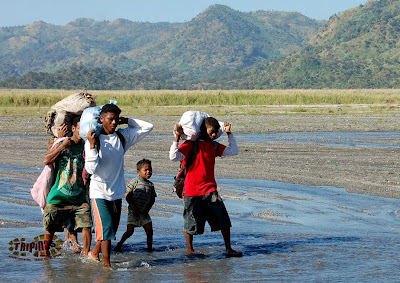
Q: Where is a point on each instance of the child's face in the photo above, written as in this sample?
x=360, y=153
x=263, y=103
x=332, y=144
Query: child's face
x=212, y=132
x=145, y=172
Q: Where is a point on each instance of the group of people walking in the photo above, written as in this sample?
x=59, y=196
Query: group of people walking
x=101, y=159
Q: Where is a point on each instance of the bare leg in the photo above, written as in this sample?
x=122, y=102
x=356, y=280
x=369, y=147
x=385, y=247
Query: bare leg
x=74, y=238
x=48, y=240
x=86, y=240
x=129, y=232
x=94, y=253
x=189, y=242
x=226, y=234
x=148, y=228
x=106, y=250
x=66, y=235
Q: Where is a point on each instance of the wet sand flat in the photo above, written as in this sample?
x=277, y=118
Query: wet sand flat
x=364, y=170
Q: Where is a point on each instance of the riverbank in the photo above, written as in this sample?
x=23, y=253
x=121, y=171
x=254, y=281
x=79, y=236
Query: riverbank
x=363, y=170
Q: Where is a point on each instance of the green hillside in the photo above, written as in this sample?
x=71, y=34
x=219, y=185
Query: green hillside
x=359, y=48
x=216, y=41
x=79, y=77
x=48, y=48
x=221, y=39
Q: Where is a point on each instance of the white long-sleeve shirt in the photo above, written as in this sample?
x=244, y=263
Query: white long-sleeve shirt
x=107, y=164
x=231, y=150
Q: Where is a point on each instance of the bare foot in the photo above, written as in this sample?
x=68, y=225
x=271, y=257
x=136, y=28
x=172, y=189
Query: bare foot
x=45, y=254
x=93, y=257
x=192, y=254
x=233, y=253
x=76, y=249
x=107, y=267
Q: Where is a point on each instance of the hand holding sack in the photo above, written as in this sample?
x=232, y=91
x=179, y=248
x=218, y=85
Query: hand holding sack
x=191, y=122
x=90, y=120
x=66, y=110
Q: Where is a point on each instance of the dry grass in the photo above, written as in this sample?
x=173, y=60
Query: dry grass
x=250, y=102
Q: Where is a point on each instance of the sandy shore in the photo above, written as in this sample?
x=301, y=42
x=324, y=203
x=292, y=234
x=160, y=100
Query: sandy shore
x=363, y=170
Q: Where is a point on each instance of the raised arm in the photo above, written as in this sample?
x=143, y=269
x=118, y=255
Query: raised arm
x=54, y=152
x=136, y=130
x=232, y=149
x=174, y=153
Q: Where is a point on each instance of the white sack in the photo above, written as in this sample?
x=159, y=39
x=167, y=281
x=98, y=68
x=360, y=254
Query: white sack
x=90, y=120
x=191, y=122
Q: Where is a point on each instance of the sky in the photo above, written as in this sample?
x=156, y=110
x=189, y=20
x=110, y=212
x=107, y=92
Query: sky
x=61, y=12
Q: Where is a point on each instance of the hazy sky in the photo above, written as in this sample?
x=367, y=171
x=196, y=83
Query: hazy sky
x=61, y=12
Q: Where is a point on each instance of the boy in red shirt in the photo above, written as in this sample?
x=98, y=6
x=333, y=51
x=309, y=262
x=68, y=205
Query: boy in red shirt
x=201, y=200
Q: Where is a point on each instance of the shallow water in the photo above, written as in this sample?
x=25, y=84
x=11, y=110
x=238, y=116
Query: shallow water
x=287, y=233
x=354, y=139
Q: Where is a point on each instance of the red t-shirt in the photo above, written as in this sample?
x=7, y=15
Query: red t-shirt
x=200, y=178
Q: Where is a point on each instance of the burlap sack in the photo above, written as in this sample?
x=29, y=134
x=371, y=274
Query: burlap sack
x=60, y=118
x=75, y=103
x=66, y=111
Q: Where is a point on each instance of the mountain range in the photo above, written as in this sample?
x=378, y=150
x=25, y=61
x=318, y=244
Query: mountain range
x=359, y=48
x=218, y=40
x=219, y=49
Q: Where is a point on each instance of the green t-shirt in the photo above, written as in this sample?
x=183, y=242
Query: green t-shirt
x=69, y=188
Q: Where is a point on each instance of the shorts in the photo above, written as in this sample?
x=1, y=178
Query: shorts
x=106, y=215
x=57, y=217
x=138, y=221
x=199, y=209
x=71, y=225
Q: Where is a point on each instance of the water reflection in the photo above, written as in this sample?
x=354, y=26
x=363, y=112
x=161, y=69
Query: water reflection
x=353, y=139
x=287, y=232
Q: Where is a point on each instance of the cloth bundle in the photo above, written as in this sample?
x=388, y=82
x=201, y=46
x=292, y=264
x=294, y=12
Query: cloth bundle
x=191, y=122
x=90, y=120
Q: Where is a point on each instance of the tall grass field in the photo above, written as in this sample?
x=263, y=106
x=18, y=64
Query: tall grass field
x=251, y=102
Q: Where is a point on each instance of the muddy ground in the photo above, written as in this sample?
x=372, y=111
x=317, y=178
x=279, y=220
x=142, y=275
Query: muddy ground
x=364, y=170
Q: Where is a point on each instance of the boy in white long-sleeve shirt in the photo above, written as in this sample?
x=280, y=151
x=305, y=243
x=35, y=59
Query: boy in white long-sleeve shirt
x=104, y=159
x=201, y=200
